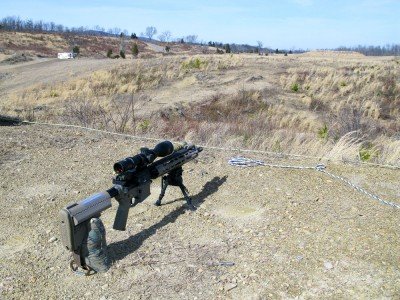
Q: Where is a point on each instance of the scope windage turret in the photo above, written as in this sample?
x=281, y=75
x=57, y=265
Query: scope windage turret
x=145, y=157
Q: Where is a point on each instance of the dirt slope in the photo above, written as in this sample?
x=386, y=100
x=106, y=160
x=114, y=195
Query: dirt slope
x=290, y=233
x=49, y=71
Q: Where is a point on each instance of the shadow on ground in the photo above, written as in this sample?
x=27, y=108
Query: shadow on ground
x=119, y=250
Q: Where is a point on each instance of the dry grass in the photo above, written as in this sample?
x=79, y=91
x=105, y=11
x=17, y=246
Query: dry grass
x=130, y=78
x=344, y=109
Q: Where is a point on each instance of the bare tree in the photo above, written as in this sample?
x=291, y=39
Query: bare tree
x=165, y=36
x=161, y=37
x=191, y=39
x=260, y=45
x=150, y=31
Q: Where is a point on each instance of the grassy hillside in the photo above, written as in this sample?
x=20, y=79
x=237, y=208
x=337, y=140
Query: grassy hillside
x=49, y=44
x=332, y=105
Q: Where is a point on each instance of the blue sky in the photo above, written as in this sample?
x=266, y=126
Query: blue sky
x=307, y=24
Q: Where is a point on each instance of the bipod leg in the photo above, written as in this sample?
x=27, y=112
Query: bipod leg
x=164, y=185
x=187, y=197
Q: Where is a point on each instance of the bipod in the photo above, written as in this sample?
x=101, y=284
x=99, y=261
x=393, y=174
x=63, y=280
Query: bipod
x=174, y=178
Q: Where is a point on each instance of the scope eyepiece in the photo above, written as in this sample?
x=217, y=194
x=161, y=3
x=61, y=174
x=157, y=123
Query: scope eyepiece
x=147, y=156
x=128, y=163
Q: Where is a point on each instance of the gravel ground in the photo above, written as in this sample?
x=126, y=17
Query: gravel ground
x=289, y=233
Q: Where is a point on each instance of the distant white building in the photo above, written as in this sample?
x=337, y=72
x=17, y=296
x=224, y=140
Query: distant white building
x=66, y=55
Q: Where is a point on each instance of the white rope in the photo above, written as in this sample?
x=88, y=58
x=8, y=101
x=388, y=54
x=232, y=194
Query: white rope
x=210, y=147
x=243, y=162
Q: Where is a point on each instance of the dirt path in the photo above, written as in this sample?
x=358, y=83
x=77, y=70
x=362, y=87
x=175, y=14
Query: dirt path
x=289, y=233
x=155, y=48
x=47, y=71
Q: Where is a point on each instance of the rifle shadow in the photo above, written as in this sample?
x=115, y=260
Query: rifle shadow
x=118, y=250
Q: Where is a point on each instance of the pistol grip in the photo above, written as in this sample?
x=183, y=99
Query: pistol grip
x=122, y=216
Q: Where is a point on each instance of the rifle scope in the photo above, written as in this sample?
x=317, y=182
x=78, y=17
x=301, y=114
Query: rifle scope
x=145, y=157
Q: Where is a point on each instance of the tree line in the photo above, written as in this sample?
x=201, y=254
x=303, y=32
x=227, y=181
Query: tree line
x=12, y=23
x=391, y=50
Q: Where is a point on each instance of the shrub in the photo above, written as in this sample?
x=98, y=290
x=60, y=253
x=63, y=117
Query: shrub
x=135, y=49
x=196, y=63
x=295, y=87
x=364, y=154
x=54, y=94
x=122, y=53
x=75, y=50
x=367, y=152
x=109, y=53
x=144, y=125
x=323, y=132
x=227, y=48
x=167, y=48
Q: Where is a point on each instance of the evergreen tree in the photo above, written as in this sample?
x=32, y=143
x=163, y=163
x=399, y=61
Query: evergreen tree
x=135, y=50
x=227, y=48
x=75, y=50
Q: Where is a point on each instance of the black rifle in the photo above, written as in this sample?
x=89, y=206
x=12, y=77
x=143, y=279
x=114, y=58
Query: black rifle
x=131, y=186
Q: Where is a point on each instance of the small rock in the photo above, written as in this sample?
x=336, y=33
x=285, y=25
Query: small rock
x=299, y=257
x=52, y=239
x=103, y=287
x=328, y=265
x=203, y=173
x=229, y=286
